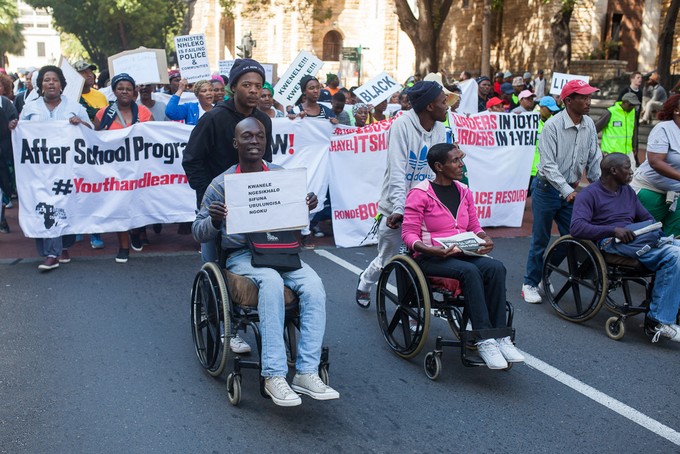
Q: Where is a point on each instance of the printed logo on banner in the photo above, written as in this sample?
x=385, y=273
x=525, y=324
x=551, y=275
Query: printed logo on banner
x=51, y=216
x=417, y=163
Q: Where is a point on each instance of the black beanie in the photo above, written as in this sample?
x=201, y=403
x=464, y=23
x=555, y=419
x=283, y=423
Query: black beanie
x=242, y=66
x=423, y=93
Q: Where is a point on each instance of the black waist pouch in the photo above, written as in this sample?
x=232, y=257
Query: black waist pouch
x=277, y=250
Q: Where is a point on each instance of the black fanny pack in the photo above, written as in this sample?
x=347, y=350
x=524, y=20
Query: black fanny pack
x=277, y=250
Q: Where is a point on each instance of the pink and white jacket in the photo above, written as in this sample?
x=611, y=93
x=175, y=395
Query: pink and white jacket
x=425, y=217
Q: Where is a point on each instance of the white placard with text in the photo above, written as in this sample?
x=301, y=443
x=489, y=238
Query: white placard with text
x=559, y=79
x=192, y=57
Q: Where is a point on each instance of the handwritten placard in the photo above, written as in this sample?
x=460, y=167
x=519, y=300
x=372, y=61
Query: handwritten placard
x=146, y=66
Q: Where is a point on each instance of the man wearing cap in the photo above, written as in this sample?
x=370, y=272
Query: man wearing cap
x=495, y=104
x=547, y=107
x=483, y=92
x=618, y=127
x=518, y=86
x=507, y=93
x=91, y=99
x=568, y=146
x=409, y=138
x=526, y=102
x=659, y=96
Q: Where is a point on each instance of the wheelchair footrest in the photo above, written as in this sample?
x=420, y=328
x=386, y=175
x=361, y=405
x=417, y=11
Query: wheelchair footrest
x=476, y=335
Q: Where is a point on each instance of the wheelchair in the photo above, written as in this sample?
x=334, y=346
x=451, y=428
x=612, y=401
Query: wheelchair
x=222, y=304
x=407, y=299
x=578, y=279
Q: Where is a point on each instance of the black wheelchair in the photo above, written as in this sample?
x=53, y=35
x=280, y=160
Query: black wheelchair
x=406, y=301
x=579, y=278
x=222, y=304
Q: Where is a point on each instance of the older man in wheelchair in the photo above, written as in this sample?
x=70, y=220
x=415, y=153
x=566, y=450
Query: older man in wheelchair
x=210, y=224
x=608, y=212
x=445, y=207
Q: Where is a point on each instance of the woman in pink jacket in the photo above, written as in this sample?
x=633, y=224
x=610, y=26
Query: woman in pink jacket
x=442, y=208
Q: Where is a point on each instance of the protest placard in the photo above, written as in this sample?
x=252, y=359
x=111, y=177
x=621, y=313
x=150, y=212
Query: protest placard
x=146, y=66
x=469, y=97
x=266, y=201
x=287, y=90
x=378, y=89
x=74, y=81
x=225, y=67
x=559, y=79
x=192, y=57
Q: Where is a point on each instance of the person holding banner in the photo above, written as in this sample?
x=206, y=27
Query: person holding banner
x=190, y=112
x=360, y=113
x=310, y=107
x=568, y=146
x=210, y=223
x=408, y=140
x=51, y=106
x=445, y=207
x=123, y=113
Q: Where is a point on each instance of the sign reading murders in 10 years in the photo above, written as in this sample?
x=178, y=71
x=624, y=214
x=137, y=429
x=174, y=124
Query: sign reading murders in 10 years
x=266, y=201
x=192, y=57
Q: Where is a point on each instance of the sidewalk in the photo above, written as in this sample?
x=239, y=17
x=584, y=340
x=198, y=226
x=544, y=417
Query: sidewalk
x=15, y=246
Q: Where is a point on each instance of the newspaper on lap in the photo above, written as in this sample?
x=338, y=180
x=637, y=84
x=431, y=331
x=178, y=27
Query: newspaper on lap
x=468, y=242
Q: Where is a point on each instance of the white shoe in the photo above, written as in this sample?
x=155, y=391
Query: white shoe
x=311, y=385
x=509, y=351
x=491, y=354
x=238, y=345
x=277, y=388
x=541, y=291
x=670, y=331
x=530, y=294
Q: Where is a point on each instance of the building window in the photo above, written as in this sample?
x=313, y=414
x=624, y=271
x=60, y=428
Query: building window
x=332, y=46
x=41, y=49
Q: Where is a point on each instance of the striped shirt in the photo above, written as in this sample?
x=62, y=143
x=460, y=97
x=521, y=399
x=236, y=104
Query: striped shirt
x=566, y=150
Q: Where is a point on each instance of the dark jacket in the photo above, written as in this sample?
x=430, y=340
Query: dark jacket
x=210, y=150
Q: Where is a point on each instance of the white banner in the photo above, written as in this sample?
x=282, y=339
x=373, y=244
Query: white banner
x=378, y=89
x=287, y=90
x=559, y=79
x=500, y=150
x=72, y=179
x=192, y=57
x=469, y=97
x=358, y=157
x=266, y=201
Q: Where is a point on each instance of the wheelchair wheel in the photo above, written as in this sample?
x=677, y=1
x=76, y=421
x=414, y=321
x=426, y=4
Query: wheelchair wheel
x=615, y=328
x=575, y=287
x=324, y=376
x=210, y=319
x=290, y=339
x=432, y=365
x=403, y=306
x=234, y=388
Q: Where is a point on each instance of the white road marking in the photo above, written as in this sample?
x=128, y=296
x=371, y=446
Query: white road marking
x=577, y=385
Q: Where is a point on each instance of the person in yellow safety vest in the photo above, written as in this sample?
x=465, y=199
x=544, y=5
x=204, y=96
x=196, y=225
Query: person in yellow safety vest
x=618, y=127
x=547, y=106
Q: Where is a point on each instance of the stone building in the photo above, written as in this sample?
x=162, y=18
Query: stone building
x=42, y=44
x=622, y=32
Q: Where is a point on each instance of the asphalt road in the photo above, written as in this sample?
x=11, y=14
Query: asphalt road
x=98, y=357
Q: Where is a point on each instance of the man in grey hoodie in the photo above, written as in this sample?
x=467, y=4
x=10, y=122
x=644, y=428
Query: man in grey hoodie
x=409, y=138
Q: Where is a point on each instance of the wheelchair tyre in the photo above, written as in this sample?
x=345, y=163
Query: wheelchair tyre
x=579, y=283
x=404, y=316
x=323, y=375
x=211, y=319
x=615, y=328
x=234, y=389
x=432, y=365
x=290, y=339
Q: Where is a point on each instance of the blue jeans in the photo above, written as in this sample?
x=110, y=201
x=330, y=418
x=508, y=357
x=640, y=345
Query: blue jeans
x=309, y=288
x=665, y=260
x=547, y=206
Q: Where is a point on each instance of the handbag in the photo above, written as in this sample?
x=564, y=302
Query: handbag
x=277, y=250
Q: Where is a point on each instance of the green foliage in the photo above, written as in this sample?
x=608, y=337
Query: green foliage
x=318, y=9
x=106, y=27
x=11, y=37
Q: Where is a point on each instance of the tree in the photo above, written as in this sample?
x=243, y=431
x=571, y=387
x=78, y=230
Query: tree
x=106, y=27
x=666, y=39
x=11, y=36
x=424, y=31
x=559, y=25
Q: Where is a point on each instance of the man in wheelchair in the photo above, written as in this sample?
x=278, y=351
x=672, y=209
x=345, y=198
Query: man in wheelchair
x=604, y=213
x=445, y=207
x=250, y=140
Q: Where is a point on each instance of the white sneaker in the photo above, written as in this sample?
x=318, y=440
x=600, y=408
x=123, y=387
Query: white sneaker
x=238, y=345
x=671, y=331
x=509, y=351
x=541, y=290
x=311, y=385
x=491, y=354
x=530, y=294
x=277, y=388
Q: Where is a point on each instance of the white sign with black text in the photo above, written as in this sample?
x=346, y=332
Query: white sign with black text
x=192, y=57
x=287, y=90
x=559, y=79
x=378, y=89
x=266, y=201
